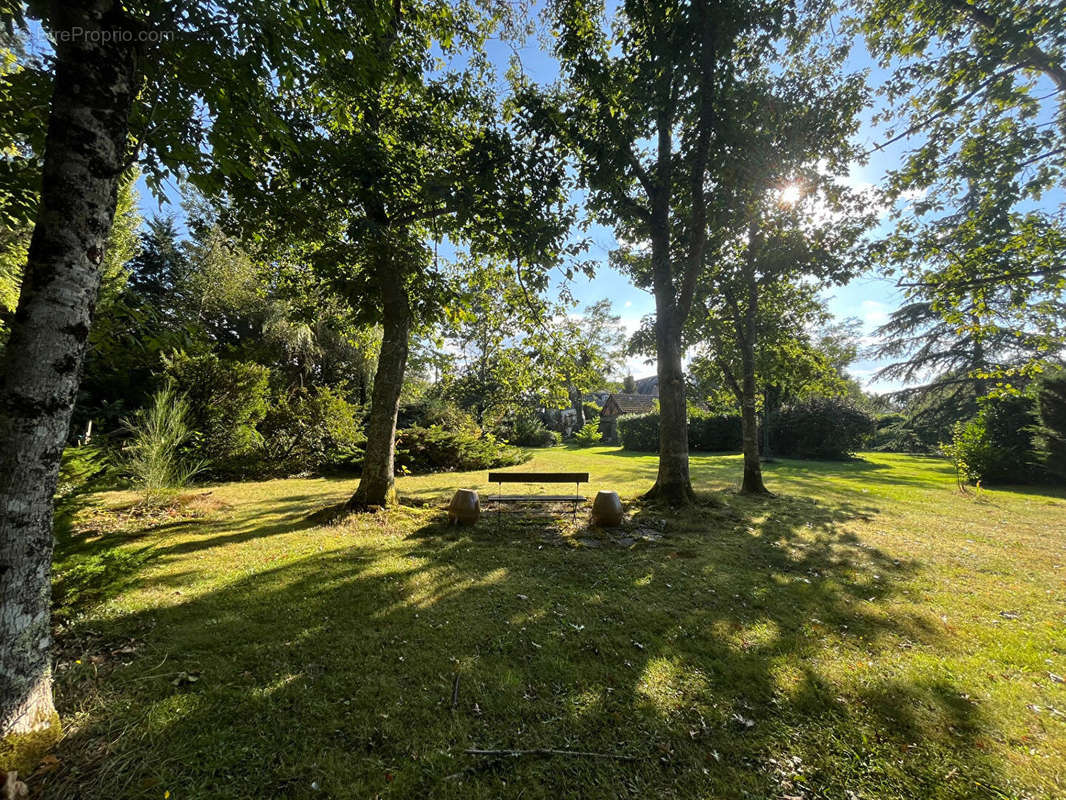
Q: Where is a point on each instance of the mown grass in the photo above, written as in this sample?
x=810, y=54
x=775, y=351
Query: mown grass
x=868, y=633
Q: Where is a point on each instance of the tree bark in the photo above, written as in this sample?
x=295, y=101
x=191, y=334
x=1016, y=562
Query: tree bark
x=85, y=149
x=673, y=483
x=752, y=483
x=579, y=408
x=377, y=485
x=673, y=300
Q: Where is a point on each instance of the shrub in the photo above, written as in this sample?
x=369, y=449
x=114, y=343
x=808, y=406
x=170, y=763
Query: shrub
x=969, y=450
x=527, y=429
x=154, y=457
x=311, y=429
x=714, y=432
x=589, y=435
x=227, y=399
x=437, y=449
x=88, y=468
x=828, y=428
x=639, y=432
x=893, y=434
x=1010, y=424
x=1051, y=403
x=706, y=431
x=428, y=411
x=997, y=446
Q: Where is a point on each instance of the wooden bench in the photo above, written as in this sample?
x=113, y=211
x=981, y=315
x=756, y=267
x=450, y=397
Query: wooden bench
x=500, y=478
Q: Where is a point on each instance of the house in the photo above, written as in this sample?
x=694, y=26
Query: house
x=620, y=405
x=648, y=386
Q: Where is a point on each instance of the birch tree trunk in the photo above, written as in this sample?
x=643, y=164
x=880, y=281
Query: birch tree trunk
x=94, y=89
x=377, y=485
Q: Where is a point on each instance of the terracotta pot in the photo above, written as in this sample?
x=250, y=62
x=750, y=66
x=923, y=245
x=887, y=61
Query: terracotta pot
x=607, y=510
x=464, y=508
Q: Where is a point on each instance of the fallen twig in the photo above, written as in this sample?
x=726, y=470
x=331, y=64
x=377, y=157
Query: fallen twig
x=549, y=752
x=455, y=692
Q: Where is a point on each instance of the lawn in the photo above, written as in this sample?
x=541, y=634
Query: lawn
x=868, y=633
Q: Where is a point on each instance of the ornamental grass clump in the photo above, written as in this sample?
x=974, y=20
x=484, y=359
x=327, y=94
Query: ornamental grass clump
x=159, y=435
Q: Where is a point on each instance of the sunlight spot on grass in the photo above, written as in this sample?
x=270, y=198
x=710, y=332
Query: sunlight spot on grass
x=671, y=685
x=760, y=635
x=338, y=645
x=275, y=685
x=428, y=587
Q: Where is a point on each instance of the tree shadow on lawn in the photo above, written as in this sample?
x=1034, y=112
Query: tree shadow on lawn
x=732, y=660
x=1048, y=492
x=90, y=567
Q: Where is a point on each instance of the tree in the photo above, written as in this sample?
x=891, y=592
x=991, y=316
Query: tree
x=649, y=109
x=24, y=87
x=1051, y=404
x=656, y=78
x=497, y=362
x=585, y=350
x=378, y=173
x=979, y=91
x=949, y=364
x=755, y=313
x=160, y=269
x=789, y=362
x=629, y=385
x=186, y=79
x=780, y=219
x=787, y=224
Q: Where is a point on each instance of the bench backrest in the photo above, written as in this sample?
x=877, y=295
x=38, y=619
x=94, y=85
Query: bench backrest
x=538, y=477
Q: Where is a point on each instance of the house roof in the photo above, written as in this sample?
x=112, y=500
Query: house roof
x=648, y=386
x=618, y=404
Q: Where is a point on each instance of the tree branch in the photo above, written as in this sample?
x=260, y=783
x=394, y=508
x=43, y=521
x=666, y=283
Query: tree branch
x=929, y=120
x=698, y=222
x=1033, y=54
x=984, y=281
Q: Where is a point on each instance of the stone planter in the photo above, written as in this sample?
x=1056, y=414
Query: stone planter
x=465, y=507
x=607, y=510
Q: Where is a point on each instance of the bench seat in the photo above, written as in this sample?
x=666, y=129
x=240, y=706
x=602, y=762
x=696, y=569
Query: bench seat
x=500, y=499
x=535, y=498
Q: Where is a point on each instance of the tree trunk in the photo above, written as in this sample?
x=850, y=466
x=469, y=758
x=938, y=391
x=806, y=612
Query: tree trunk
x=94, y=89
x=579, y=408
x=672, y=484
x=377, y=485
x=752, y=483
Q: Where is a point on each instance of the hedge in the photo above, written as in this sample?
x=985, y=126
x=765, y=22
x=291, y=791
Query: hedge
x=824, y=428
x=708, y=432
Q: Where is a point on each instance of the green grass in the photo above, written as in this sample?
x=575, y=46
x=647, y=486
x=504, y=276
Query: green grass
x=868, y=633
